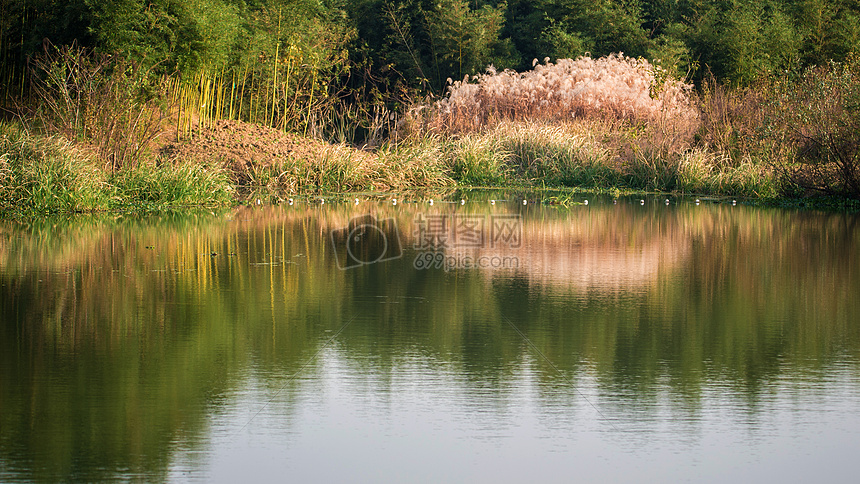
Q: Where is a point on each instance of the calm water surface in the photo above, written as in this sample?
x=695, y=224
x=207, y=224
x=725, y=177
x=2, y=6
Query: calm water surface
x=485, y=342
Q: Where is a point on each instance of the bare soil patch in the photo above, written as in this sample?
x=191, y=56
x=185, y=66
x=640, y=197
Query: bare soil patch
x=239, y=146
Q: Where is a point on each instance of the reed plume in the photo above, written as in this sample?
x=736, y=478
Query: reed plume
x=611, y=87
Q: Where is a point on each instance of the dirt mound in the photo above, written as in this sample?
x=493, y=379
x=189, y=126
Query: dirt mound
x=239, y=146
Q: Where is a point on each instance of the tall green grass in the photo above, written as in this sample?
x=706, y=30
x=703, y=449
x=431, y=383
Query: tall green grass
x=417, y=164
x=558, y=154
x=708, y=173
x=153, y=185
x=479, y=161
x=47, y=175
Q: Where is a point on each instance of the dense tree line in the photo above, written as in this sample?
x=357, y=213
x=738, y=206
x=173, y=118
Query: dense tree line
x=422, y=43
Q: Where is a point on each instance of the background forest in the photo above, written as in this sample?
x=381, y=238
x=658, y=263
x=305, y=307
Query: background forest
x=421, y=43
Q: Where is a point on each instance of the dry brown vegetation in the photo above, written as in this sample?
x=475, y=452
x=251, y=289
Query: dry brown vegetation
x=612, y=87
x=608, y=122
x=258, y=156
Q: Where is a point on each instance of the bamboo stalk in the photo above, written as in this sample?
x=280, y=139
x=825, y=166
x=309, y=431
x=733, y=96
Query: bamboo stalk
x=275, y=73
x=242, y=93
x=201, y=113
x=311, y=99
x=232, y=92
x=287, y=84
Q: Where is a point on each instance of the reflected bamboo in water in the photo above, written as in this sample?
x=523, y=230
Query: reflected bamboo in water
x=170, y=315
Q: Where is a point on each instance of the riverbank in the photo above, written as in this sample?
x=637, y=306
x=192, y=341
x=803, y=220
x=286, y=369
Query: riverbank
x=49, y=174
x=613, y=123
x=233, y=162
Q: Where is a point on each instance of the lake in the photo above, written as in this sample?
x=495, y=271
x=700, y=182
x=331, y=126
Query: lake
x=475, y=339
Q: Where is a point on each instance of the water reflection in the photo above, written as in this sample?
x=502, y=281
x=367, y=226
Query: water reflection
x=215, y=345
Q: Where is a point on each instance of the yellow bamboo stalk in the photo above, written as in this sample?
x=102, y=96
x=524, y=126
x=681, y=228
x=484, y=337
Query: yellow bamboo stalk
x=222, y=96
x=275, y=73
x=242, y=94
x=176, y=100
x=201, y=115
x=232, y=92
x=188, y=107
x=252, y=115
x=215, y=109
x=287, y=84
x=311, y=99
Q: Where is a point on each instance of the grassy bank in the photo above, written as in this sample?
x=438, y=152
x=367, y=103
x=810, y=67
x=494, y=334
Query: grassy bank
x=49, y=174
x=591, y=154
x=606, y=123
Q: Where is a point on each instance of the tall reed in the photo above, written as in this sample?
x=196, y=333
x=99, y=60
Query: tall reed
x=612, y=87
x=100, y=100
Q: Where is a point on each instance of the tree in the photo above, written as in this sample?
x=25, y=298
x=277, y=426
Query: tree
x=464, y=38
x=739, y=41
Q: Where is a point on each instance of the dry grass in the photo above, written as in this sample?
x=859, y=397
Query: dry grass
x=730, y=119
x=612, y=87
x=608, y=122
x=97, y=100
x=260, y=157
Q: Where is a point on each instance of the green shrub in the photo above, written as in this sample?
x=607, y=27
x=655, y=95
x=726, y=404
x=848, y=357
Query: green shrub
x=813, y=119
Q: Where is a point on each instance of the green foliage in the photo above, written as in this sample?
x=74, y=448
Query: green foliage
x=741, y=41
x=569, y=28
x=830, y=29
x=814, y=117
x=562, y=44
x=175, y=35
x=429, y=42
x=421, y=43
x=164, y=185
x=463, y=38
